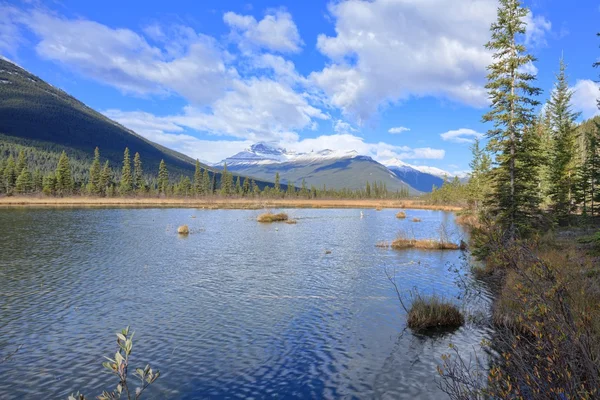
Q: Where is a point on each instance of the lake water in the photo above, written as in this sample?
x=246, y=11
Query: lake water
x=237, y=309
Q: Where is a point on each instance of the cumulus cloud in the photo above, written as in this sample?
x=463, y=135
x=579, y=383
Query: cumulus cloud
x=386, y=51
x=585, y=95
x=276, y=31
x=398, y=129
x=171, y=131
x=462, y=135
x=537, y=28
x=191, y=65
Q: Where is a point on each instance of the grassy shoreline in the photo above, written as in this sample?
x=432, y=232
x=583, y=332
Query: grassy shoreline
x=217, y=203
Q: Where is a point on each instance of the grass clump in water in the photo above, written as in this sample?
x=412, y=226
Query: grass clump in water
x=291, y=222
x=270, y=217
x=433, y=312
x=183, y=230
x=401, y=215
x=424, y=244
x=415, y=219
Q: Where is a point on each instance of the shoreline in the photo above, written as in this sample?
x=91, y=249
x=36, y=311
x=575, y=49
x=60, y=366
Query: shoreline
x=216, y=203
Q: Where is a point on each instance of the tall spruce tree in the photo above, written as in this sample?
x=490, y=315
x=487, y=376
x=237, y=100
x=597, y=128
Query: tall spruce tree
x=126, y=183
x=163, y=178
x=138, y=174
x=198, y=183
x=21, y=163
x=512, y=95
x=562, y=166
x=95, y=173
x=104, y=180
x=478, y=187
x=24, y=182
x=246, y=186
x=10, y=175
x=277, y=184
x=63, y=176
x=207, y=184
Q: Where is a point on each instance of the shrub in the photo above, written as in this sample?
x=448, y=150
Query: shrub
x=433, y=312
x=270, y=217
x=424, y=244
x=415, y=219
x=119, y=367
x=183, y=230
x=401, y=215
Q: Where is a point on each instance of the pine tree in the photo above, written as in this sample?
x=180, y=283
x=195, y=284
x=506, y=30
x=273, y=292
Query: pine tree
x=226, y=182
x=104, y=181
x=207, y=185
x=38, y=181
x=562, y=166
x=511, y=94
x=21, y=163
x=291, y=190
x=198, y=183
x=126, y=184
x=49, y=183
x=9, y=176
x=163, y=178
x=277, y=185
x=64, y=178
x=238, y=186
x=478, y=186
x=24, y=182
x=95, y=173
x=246, y=187
x=138, y=174
x=303, y=189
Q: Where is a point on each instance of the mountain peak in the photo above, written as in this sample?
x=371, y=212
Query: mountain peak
x=268, y=149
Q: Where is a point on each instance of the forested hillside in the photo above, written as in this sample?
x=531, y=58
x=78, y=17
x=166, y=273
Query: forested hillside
x=51, y=119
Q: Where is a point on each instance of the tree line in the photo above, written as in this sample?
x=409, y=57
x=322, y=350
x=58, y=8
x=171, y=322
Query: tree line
x=22, y=175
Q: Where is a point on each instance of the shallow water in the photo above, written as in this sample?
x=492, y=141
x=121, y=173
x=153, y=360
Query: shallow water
x=236, y=309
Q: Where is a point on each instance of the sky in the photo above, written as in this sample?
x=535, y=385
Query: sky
x=387, y=78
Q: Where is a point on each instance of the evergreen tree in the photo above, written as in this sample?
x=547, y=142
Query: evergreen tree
x=562, y=166
x=198, y=182
x=138, y=173
x=277, y=185
x=368, y=190
x=24, y=182
x=478, y=186
x=291, y=190
x=38, y=181
x=303, y=189
x=104, y=181
x=246, y=186
x=226, y=182
x=9, y=176
x=64, y=179
x=49, y=183
x=126, y=184
x=511, y=94
x=207, y=185
x=238, y=186
x=21, y=163
x=255, y=188
x=95, y=173
x=163, y=178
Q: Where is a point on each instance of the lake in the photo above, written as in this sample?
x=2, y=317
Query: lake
x=237, y=309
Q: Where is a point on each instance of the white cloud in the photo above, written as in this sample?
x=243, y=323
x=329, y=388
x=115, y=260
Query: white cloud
x=462, y=135
x=585, y=95
x=276, y=31
x=537, y=28
x=341, y=127
x=170, y=131
x=10, y=34
x=398, y=129
x=387, y=51
x=192, y=65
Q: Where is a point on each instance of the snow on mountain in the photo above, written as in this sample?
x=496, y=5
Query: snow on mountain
x=396, y=163
x=263, y=153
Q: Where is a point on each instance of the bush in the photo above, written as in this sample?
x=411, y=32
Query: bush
x=424, y=244
x=270, y=217
x=433, y=312
x=416, y=219
x=183, y=230
x=401, y=215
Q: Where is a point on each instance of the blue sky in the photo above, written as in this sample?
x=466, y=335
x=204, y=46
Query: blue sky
x=387, y=78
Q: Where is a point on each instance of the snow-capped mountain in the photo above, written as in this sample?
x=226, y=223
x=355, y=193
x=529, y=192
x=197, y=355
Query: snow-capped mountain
x=263, y=153
x=334, y=169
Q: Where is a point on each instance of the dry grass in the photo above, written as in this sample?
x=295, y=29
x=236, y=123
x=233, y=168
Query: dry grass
x=270, y=217
x=423, y=244
x=468, y=220
x=183, y=230
x=291, y=222
x=433, y=312
x=378, y=208
x=415, y=219
x=217, y=203
x=401, y=215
